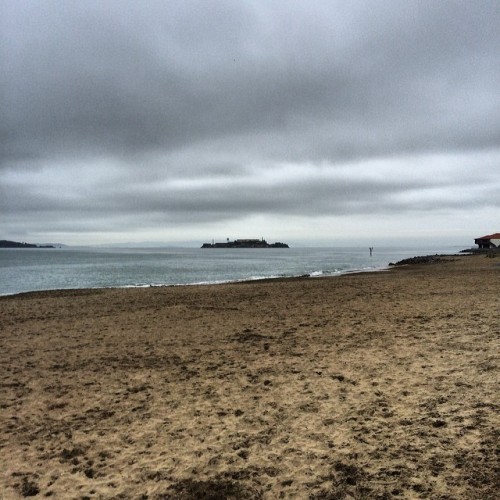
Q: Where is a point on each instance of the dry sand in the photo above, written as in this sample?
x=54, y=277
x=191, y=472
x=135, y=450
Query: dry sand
x=381, y=385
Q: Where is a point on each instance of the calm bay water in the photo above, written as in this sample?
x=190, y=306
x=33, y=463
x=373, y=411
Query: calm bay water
x=23, y=270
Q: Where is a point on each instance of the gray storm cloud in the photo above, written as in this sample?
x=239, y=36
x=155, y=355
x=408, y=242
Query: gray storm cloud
x=206, y=111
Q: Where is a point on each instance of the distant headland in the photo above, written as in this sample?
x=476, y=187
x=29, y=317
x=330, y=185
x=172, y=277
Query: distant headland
x=16, y=244
x=245, y=244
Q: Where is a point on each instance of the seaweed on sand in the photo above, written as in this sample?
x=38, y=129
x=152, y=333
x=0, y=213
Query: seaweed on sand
x=212, y=489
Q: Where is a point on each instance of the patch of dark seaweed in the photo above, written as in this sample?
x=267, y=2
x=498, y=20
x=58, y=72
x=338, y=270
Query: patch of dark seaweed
x=249, y=335
x=212, y=489
x=348, y=481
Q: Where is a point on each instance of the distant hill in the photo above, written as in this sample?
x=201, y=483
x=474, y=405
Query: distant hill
x=16, y=244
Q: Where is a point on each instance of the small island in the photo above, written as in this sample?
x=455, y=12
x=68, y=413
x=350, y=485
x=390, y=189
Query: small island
x=16, y=244
x=248, y=243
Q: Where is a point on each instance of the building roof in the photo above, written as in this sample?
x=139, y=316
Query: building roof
x=495, y=236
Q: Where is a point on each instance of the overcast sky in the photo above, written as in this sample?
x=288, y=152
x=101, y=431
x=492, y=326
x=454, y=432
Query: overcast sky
x=324, y=122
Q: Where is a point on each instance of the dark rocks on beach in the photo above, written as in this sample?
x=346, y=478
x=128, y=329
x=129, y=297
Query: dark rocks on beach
x=425, y=259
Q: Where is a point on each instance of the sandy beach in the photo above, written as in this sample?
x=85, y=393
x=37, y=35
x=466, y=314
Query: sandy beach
x=376, y=385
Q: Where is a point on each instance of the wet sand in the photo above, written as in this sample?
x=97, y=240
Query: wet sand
x=380, y=385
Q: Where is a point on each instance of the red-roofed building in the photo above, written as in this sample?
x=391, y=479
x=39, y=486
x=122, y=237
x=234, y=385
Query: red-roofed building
x=488, y=241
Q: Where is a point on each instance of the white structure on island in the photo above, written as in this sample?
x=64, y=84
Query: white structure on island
x=488, y=241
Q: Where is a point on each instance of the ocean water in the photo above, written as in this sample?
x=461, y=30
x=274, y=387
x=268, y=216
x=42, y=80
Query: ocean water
x=23, y=270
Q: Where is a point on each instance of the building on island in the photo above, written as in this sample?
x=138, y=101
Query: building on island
x=245, y=243
x=488, y=241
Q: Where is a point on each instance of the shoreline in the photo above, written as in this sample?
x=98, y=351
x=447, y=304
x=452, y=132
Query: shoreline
x=382, y=385
x=387, y=267
x=201, y=284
